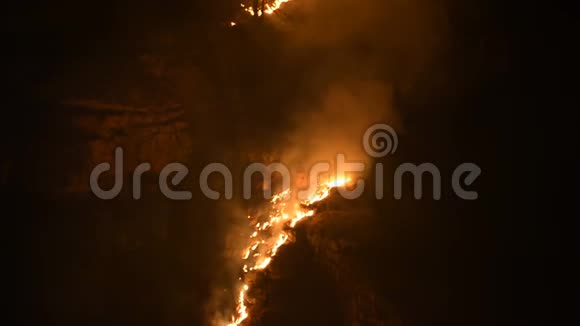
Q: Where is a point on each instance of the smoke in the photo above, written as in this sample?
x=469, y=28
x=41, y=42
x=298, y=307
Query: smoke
x=407, y=25
x=369, y=53
x=360, y=55
x=336, y=123
x=396, y=41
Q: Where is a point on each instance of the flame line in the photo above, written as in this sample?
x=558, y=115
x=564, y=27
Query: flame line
x=278, y=219
x=269, y=8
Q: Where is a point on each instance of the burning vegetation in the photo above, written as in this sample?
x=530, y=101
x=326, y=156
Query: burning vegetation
x=272, y=233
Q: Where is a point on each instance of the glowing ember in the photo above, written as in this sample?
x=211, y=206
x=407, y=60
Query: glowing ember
x=271, y=235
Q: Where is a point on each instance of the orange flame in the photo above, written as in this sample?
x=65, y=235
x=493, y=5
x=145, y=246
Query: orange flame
x=272, y=236
x=269, y=8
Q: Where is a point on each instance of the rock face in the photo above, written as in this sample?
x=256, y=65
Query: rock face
x=157, y=135
x=124, y=252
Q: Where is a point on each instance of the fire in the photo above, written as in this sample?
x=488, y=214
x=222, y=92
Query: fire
x=269, y=236
x=242, y=309
x=269, y=8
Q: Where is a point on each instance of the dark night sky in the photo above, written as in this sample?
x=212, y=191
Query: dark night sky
x=501, y=101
